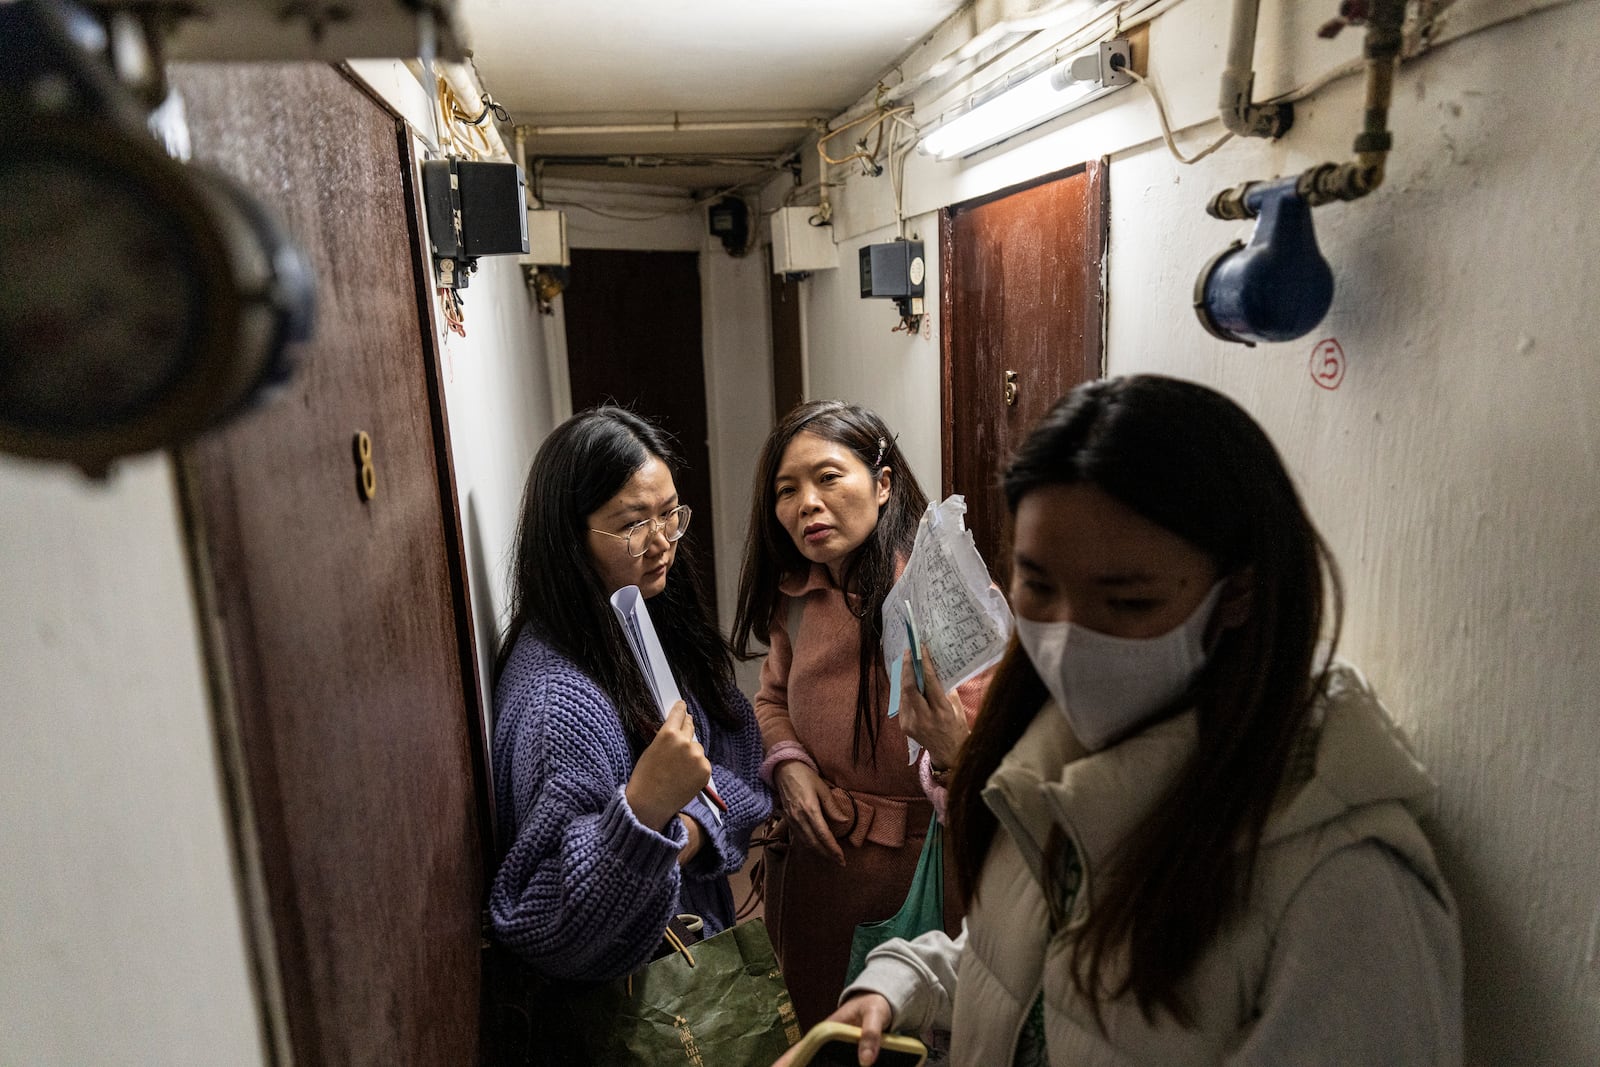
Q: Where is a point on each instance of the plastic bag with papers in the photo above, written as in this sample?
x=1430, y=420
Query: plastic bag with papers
x=962, y=619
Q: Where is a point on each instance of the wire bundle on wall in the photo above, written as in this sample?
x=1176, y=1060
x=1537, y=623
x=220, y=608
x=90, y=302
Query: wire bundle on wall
x=876, y=121
x=459, y=133
x=454, y=317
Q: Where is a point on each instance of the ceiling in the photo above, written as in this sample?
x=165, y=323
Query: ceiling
x=657, y=62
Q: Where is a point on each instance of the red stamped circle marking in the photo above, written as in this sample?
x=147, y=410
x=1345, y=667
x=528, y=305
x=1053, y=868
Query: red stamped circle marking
x=1327, y=363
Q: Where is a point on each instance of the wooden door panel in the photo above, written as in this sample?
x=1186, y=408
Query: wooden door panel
x=1021, y=292
x=788, y=374
x=633, y=338
x=339, y=618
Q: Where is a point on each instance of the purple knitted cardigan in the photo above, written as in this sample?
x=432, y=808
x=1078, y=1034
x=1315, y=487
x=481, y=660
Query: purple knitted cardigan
x=584, y=889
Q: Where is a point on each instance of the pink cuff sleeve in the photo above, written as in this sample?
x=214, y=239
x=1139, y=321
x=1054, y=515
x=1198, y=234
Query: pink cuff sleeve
x=937, y=794
x=782, y=752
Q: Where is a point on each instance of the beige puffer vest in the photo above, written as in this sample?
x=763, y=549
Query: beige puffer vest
x=1360, y=783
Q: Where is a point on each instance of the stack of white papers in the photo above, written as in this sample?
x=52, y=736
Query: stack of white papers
x=646, y=647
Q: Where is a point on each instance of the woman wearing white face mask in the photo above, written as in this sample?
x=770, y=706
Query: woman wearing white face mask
x=1184, y=836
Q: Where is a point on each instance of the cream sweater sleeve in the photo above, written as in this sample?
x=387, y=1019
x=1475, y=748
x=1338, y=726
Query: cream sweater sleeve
x=917, y=978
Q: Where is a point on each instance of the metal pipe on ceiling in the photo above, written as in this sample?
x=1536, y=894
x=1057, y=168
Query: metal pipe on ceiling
x=673, y=127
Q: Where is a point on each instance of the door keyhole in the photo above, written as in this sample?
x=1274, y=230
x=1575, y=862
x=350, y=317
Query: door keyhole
x=1011, y=388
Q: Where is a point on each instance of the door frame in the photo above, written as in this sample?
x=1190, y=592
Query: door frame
x=472, y=682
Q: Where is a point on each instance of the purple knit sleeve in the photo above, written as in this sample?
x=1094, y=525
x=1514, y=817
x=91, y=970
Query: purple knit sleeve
x=585, y=889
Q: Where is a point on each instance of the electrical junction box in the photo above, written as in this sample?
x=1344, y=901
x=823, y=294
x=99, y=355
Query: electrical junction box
x=441, y=195
x=799, y=247
x=494, y=215
x=473, y=209
x=547, y=239
x=894, y=270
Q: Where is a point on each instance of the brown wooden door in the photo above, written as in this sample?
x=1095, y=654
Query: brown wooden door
x=788, y=376
x=339, y=620
x=1021, y=293
x=633, y=338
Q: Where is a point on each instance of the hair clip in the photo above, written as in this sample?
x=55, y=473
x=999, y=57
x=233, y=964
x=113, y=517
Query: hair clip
x=883, y=446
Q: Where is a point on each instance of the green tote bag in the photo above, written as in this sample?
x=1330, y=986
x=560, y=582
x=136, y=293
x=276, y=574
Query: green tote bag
x=922, y=911
x=718, y=1003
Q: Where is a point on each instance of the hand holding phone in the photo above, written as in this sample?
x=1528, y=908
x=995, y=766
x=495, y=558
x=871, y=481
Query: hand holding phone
x=834, y=1044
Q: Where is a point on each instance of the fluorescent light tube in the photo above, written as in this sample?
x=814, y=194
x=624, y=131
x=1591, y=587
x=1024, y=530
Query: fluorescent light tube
x=1029, y=103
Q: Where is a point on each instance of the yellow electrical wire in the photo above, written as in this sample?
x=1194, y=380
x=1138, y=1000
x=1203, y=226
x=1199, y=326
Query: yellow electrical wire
x=877, y=118
x=461, y=137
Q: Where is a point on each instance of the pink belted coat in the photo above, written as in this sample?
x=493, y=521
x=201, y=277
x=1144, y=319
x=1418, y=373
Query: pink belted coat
x=879, y=812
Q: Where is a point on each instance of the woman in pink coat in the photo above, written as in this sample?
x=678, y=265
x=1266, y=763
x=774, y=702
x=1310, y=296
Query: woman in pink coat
x=834, y=516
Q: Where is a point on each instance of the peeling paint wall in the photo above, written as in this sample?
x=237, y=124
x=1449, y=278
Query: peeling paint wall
x=1455, y=469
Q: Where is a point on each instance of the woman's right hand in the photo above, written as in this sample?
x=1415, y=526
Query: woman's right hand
x=804, y=793
x=669, y=772
x=872, y=1013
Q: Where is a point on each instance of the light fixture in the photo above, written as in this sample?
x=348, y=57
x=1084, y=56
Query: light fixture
x=1030, y=99
x=142, y=300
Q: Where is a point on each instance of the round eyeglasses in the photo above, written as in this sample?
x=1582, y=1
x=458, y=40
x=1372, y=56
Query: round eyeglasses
x=673, y=527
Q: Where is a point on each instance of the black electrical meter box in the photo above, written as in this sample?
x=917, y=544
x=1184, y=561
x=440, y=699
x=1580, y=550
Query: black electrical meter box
x=730, y=220
x=894, y=270
x=494, y=209
x=475, y=209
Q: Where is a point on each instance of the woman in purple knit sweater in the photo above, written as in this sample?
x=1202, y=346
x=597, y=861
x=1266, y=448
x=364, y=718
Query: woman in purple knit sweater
x=603, y=834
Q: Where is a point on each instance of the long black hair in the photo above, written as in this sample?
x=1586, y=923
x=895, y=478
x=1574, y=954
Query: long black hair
x=1193, y=462
x=557, y=595
x=770, y=554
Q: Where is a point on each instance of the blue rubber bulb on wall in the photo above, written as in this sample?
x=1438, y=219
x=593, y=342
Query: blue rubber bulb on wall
x=1277, y=287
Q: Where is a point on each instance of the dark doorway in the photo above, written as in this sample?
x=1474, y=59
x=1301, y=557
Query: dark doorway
x=340, y=622
x=1022, y=307
x=633, y=338
x=788, y=377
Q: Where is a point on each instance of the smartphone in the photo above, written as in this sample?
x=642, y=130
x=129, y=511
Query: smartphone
x=916, y=649
x=831, y=1044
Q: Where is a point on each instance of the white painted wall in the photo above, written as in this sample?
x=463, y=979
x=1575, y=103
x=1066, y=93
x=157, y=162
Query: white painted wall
x=497, y=398
x=737, y=329
x=1456, y=472
x=853, y=353
x=121, y=936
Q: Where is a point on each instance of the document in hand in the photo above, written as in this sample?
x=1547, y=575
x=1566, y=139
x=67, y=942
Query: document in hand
x=962, y=619
x=647, y=652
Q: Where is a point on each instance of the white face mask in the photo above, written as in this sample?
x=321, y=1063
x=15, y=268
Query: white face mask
x=1108, y=685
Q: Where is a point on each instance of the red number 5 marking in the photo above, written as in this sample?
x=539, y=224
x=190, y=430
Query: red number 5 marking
x=1327, y=363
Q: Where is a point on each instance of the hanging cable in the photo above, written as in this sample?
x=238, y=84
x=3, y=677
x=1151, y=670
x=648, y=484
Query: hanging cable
x=877, y=118
x=1166, y=127
x=458, y=134
x=683, y=210
x=454, y=317
x=489, y=105
x=897, y=166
